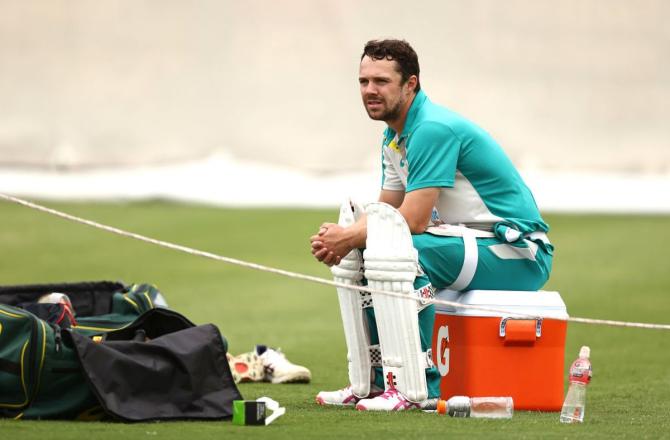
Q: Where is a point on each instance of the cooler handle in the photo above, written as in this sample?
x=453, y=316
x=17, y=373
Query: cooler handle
x=524, y=330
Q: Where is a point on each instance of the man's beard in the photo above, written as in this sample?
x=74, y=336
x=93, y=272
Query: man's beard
x=389, y=115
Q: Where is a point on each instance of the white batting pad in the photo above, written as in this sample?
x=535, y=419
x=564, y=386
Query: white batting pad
x=391, y=264
x=352, y=305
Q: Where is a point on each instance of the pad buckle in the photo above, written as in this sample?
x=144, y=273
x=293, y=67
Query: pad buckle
x=429, y=358
x=365, y=299
x=375, y=356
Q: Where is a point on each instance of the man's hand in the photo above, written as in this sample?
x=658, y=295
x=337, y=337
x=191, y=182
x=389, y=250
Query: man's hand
x=331, y=244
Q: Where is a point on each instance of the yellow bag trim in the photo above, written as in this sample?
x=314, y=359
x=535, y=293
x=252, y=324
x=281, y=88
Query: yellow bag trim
x=100, y=329
x=151, y=304
x=23, y=382
x=12, y=315
x=134, y=304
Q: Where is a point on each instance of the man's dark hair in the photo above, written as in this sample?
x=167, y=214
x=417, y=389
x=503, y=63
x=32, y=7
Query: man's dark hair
x=400, y=51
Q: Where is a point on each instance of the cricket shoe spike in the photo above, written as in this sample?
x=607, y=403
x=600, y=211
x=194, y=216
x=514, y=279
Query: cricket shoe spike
x=278, y=369
x=390, y=400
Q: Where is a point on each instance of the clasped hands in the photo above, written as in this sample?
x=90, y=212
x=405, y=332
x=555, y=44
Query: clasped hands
x=331, y=244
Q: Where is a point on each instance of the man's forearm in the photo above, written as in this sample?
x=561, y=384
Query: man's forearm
x=357, y=233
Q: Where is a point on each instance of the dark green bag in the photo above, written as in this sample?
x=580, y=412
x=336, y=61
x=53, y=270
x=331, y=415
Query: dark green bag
x=40, y=373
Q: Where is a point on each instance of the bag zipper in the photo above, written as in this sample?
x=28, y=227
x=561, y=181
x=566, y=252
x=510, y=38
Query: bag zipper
x=57, y=338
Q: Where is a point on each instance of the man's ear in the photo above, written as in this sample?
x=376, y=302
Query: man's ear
x=412, y=81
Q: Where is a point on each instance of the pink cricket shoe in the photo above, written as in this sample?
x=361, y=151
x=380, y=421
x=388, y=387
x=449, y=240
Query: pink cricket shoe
x=343, y=397
x=389, y=400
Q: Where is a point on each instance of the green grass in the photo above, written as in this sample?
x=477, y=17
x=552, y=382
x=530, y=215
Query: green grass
x=611, y=267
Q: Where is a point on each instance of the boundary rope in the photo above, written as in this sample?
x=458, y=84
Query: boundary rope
x=314, y=279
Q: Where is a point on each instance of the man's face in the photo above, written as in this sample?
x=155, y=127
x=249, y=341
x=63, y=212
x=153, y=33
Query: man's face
x=382, y=90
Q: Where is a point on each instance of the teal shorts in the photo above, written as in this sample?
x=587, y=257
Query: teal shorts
x=500, y=266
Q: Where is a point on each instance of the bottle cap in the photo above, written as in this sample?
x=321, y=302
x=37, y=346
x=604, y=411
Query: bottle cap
x=585, y=352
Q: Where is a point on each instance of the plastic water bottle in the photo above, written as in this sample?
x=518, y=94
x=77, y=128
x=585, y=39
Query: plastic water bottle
x=478, y=407
x=575, y=400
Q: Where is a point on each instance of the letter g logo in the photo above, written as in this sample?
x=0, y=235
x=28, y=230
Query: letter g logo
x=443, y=350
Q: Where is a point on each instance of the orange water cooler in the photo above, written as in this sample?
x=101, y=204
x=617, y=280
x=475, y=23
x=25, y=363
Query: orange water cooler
x=484, y=353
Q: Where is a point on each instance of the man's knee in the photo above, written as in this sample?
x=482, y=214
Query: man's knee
x=440, y=258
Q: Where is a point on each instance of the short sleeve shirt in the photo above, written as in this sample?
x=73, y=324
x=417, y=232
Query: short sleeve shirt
x=479, y=185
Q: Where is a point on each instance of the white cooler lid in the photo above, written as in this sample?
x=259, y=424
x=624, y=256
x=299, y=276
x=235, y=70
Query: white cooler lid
x=538, y=303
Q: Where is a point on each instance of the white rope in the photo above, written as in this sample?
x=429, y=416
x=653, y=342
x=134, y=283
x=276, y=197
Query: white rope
x=314, y=279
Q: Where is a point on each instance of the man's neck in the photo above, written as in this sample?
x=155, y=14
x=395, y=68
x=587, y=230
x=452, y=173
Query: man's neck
x=398, y=124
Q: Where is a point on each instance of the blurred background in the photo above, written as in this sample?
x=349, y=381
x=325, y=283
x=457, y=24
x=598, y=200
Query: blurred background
x=256, y=102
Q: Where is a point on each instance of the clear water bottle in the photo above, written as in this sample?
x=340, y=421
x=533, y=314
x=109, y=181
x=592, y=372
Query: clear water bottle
x=575, y=400
x=478, y=407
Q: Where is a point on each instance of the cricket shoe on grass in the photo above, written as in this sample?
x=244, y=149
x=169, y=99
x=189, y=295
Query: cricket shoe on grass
x=343, y=397
x=392, y=400
x=246, y=367
x=278, y=369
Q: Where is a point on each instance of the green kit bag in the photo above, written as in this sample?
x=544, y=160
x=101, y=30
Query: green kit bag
x=40, y=373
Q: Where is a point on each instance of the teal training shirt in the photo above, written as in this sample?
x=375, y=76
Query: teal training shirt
x=479, y=185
